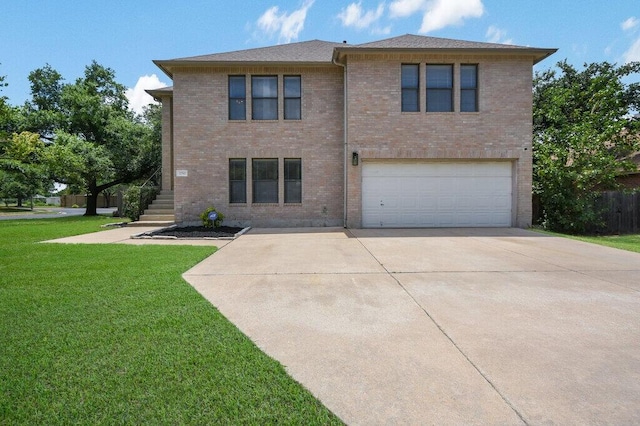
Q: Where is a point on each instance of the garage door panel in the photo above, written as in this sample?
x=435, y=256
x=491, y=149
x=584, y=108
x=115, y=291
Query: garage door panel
x=436, y=194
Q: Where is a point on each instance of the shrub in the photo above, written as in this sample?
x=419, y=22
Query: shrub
x=131, y=198
x=131, y=203
x=208, y=223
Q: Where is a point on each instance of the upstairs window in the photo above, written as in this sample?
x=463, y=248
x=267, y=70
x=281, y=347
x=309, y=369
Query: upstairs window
x=237, y=180
x=292, y=180
x=439, y=88
x=468, y=88
x=410, y=87
x=292, y=97
x=265, y=180
x=264, y=94
x=237, y=97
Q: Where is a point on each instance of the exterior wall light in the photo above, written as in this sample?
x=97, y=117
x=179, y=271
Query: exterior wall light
x=354, y=159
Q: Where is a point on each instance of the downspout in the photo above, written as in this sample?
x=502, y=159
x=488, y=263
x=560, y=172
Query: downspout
x=345, y=134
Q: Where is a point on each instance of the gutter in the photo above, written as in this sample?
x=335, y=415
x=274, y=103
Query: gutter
x=345, y=134
x=167, y=66
x=538, y=54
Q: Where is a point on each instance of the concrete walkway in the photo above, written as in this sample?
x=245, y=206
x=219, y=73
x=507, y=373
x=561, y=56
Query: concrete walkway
x=455, y=326
x=122, y=235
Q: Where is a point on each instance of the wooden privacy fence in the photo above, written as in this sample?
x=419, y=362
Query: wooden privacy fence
x=621, y=212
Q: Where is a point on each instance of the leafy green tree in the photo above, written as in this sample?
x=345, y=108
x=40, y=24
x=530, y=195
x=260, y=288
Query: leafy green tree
x=97, y=142
x=44, y=114
x=5, y=114
x=583, y=136
x=23, y=167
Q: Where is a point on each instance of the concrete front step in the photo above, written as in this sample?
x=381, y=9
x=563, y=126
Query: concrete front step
x=159, y=213
x=162, y=204
x=154, y=217
x=158, y=210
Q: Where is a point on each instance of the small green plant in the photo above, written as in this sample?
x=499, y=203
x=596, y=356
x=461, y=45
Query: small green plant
x=131, y=203
x=75, y=206
x=207, y=222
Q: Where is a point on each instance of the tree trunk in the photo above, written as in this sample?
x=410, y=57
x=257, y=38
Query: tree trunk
x=19, y=202
x=92, y=200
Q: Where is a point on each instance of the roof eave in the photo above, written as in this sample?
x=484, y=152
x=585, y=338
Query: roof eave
x=161, y=65
x=168, y=66
x=158, y=94
x=537, y=54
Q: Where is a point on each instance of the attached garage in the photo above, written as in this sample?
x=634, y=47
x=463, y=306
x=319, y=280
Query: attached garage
x=437, y=194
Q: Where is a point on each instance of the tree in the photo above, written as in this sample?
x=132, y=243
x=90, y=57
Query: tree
x=5, y=114
x=43, y=114
x=97, y=142
x=24, y=172
x=583, y=136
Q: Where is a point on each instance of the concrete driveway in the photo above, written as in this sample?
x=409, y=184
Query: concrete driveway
x=455, y=326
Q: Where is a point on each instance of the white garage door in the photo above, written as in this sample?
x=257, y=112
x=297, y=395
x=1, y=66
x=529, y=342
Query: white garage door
x=442, y=194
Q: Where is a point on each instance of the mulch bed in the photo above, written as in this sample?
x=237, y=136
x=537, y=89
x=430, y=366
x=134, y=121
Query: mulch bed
x=196, y=232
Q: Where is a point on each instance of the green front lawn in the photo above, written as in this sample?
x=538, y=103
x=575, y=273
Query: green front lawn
x=623, y=242
x=112, y=334
x=629, y=242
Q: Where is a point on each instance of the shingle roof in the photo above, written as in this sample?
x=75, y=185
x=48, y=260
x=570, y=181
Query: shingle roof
x=160, y=92
x=410, y=41
x=306, y=52
x=324, y=52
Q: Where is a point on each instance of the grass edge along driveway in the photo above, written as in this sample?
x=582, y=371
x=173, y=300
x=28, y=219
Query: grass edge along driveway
x=112, y=334
x=628, y=242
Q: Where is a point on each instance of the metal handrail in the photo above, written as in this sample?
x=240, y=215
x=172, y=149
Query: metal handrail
x=151, y=177
x=141, y=209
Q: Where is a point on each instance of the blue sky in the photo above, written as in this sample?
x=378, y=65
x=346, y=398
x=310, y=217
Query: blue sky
x=128, y=35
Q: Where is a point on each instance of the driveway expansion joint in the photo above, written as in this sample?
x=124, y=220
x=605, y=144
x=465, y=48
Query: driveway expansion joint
x=449, y=338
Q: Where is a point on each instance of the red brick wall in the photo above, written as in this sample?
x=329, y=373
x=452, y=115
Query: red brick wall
x=204, y=140
x=501, y=130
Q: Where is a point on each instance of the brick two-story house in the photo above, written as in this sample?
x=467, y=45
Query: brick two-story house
x=410, y=131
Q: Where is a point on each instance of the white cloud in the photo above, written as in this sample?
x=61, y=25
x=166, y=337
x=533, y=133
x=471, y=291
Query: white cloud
x=354, y=16
x=443, y=13
x=437, y=14
x=137, y=96
x=497, y=35
x=630, y=24
x=287, y=25
x=404, y=8
x=633, y=54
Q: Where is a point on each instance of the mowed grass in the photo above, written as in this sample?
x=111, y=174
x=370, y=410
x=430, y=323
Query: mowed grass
x=629, y=242
x=623, y=242
x=111, y=334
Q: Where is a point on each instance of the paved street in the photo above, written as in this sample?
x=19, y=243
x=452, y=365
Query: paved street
x=53, y=212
